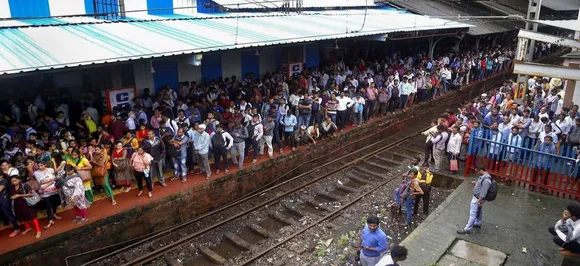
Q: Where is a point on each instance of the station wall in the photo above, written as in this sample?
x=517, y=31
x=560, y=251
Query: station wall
x=45, y=8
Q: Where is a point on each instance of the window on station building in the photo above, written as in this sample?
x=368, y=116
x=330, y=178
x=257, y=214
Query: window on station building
x=109, y=9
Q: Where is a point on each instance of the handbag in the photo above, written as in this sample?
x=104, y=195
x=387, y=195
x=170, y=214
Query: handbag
x=85, y=175
x=32, y=200
x=99, y=171
x=453, y=165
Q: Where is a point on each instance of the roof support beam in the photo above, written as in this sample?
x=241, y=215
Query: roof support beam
x=542, y=70
x=549, y=39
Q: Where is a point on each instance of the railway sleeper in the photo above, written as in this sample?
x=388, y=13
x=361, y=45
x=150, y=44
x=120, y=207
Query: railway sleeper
x=388, y=161
x=293, y=210
x=370, y=172
x=347, y=189
x=357, y=179
x=379, y=165
x=262, y=231
x=407, y=152
x=328, y=196
x=315, y=205
x=212, y=256
x=171, y=261
x=279, y=217
x=238, y=241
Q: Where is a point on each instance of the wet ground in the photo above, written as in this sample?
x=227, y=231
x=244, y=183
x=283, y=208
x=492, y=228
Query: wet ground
x=515, y=224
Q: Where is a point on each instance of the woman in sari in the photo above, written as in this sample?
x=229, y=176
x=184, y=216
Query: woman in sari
x=74, y=191
x=100, y=160
x=122, y=170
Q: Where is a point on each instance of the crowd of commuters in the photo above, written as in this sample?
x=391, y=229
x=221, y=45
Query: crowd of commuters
x=49, y=152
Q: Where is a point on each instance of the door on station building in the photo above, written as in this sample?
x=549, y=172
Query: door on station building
x=165, y=74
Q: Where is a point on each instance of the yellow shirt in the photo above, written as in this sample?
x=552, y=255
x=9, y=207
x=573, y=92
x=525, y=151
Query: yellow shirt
x=428, y=178
x=83, y=161
x=134, y=143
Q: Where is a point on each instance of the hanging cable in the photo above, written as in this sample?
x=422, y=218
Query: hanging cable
x=365, y=17
x=237, y=26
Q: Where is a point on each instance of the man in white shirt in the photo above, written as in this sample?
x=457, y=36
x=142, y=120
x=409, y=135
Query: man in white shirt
x=344, y=103
x=398, y=254
x=454, y=144
x=566, y=231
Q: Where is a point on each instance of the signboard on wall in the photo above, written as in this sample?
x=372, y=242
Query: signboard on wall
x=120, y=97
x=295, y=68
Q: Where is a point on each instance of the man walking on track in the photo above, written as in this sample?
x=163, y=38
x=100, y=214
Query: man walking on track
x=482, y=187
x=373, y=242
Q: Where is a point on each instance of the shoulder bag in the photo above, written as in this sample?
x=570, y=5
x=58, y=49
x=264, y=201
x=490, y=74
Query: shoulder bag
x=32, y=200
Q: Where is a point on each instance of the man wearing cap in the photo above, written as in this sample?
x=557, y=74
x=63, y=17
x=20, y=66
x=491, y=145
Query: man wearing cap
x=373, y=242
x=201, y=146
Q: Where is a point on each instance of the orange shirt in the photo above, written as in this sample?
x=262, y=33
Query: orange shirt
x=141, y=135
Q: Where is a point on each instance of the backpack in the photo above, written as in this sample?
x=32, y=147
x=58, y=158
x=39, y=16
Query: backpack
x=574, y=137
x=405, y=189
x=383, y=97
x=218, y=141
x=492, y=192
x=395, y=91
x=250, y=128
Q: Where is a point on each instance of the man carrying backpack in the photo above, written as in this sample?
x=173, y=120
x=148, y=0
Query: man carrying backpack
x=485, y=189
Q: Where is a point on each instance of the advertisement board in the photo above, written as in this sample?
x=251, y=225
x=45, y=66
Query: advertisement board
x=120, y=97
x=295, y=68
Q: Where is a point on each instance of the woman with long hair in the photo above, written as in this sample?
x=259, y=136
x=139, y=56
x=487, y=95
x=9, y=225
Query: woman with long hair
x=140, y=162
x=122, y=170
x=74, y=191
x=48, y=191
x=100, y=160
x=23, y=212
x=82, y=164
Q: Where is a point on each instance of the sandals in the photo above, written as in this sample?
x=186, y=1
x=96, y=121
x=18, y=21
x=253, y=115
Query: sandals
x=38, y=234
x=114, y=202
x=26, y=231
x=50, y=223
x=57, y=217
x=14, y=233
x=140, y=193
x=150, y=195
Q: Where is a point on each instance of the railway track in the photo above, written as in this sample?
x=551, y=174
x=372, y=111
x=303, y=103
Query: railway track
x=278, y=205
x=285, y=206
x=289, y=209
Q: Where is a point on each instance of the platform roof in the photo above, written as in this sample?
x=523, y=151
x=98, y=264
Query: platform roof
x=562, y=5
x=57, y=43
x=440, y=9
x=573, y=24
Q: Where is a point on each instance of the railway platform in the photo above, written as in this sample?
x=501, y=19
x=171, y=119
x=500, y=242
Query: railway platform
x=135, y=217
x=514, y=232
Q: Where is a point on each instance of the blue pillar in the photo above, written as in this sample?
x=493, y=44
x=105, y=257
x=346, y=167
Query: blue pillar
x=250, y=63
x=311, y=55
x=211, y=66
x=165, y=74
x=164, y=7
x=29, y=8
x=89, y=7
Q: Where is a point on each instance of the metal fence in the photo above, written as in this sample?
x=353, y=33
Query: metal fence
x=525, y=162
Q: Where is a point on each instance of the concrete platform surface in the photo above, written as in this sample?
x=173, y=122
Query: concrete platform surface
x=515, y=224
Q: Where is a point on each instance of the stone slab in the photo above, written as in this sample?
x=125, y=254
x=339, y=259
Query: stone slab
x=478, y=254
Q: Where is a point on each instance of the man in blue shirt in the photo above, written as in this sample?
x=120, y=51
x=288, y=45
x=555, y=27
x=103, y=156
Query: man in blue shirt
x=373, y=242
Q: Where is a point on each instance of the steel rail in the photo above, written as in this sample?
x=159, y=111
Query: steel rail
x=154, y=235
x=167, y=248
x=319, y=221
x=270, y=186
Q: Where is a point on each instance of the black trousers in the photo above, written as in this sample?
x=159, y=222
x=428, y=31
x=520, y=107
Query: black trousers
x=572, y=246
x=393, y=103
x=139, y=176
x=341, y=119
x=220, y=153
x=425, y=197
x=51, y=203
x=289, y=138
